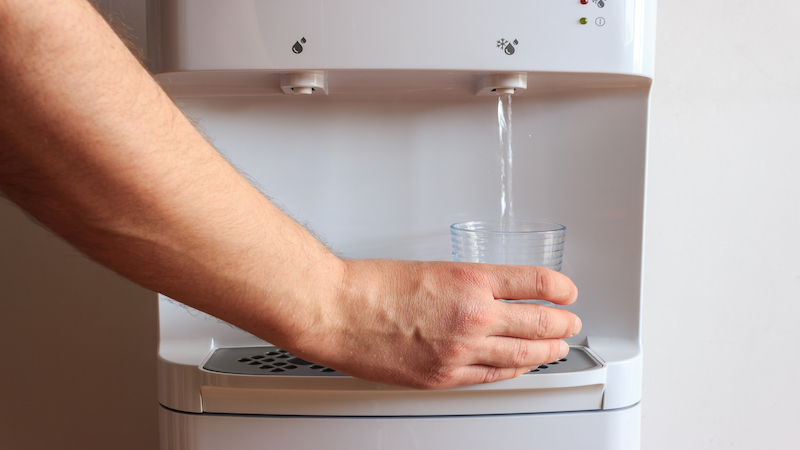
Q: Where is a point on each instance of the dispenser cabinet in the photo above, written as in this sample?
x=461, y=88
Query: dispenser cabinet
x=376, y=123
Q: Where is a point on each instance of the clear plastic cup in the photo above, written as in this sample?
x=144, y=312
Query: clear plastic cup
x=522, y=243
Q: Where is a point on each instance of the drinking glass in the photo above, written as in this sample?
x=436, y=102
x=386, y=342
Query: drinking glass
x=522, y=243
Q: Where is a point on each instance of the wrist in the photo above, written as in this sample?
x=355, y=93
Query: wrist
x=298, y=310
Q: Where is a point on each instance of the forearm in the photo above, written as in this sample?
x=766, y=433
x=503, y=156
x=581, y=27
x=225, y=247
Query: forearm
x=94, y=149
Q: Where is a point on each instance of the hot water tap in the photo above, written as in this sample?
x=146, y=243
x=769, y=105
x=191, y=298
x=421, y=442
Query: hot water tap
x=305, y=83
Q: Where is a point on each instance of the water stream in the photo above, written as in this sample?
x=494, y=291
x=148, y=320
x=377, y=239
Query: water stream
x=506, y=162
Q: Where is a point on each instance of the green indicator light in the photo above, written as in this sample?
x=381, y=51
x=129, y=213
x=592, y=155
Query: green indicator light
x=583, y=21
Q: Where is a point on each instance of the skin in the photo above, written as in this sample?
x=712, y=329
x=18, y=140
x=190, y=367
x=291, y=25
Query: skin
x=92, y=148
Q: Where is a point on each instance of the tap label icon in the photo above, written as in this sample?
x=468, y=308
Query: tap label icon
x=507, y=47
x=297, y=47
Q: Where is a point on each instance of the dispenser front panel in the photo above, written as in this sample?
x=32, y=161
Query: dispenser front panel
x=384, y=175
x=610, y=36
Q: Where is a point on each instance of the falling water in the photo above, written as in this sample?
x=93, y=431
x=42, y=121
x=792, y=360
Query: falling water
x=504, y=128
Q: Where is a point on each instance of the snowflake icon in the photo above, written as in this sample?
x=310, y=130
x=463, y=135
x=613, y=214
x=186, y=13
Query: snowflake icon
x=502, y=43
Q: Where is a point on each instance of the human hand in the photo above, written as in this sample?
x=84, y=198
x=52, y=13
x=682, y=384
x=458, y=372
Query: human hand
x=434, y=325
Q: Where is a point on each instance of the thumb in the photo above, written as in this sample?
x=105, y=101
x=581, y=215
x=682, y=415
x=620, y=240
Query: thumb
x=531, y=282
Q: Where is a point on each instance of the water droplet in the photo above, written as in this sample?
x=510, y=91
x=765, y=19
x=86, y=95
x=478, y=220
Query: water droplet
x=303, y=40
x=509, y=49
x=297, y=48
x=516, y=42
x=600, y=3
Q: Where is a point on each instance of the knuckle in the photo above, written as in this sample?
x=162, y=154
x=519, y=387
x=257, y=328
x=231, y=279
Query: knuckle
x=555, y=349
x=521, y=355
x=437, y=379
x=451, y=352
x=492, y=375
x=472, y=315
x=544, y=281
x=438, y=370
x=544, y=323
x=547, y=352
x=468, y=274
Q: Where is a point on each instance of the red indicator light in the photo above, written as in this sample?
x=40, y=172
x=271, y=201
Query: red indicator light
x=584, y=2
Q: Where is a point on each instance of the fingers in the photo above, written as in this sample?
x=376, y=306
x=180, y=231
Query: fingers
x=530, y=282
x=515, y=353
x=479, y=374
x=527, y=321
x=504, y=358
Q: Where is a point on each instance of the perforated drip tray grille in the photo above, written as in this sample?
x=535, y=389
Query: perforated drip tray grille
x=578, y=360
x=271, y=360
x=266, y=360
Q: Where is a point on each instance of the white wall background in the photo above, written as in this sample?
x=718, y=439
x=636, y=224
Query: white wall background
x=722, y=261
x=722, y=266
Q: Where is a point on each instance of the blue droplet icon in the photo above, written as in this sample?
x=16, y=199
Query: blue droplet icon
x=297, y=48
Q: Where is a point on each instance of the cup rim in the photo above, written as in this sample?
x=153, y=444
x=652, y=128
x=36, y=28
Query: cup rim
x=494, y=227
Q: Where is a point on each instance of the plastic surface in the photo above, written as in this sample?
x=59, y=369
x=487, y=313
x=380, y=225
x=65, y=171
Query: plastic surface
x=384, y=173
x=233, y=382
x=264, y=361
x=497, y=36
x=573, y=385
x=275, y=362
x=607, y=430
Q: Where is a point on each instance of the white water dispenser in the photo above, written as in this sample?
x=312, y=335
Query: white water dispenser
x=376, y=123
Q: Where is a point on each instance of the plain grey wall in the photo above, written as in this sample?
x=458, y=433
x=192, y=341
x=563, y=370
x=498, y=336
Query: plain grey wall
x=722, y=271
x=78, y=347
x=78, y=342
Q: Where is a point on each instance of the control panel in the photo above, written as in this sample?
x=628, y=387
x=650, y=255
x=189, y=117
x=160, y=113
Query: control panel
x=505, y=35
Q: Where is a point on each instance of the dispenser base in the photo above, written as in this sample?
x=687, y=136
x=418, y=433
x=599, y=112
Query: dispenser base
x=600, y=430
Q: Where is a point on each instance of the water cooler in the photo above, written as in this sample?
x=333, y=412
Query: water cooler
x=376, y=123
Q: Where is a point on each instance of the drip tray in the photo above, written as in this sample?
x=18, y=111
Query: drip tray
x=270, y=380
x=273, y=361
x=265, y=360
